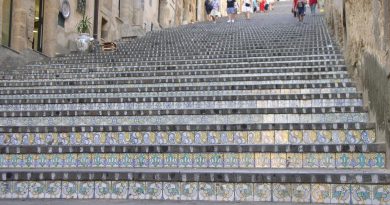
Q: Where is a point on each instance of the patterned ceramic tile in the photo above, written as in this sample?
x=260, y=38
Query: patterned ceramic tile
x=69, y=190
x=327, y=160
x=281, y=137
x=187, y=137
x=254, y=137
x=53, y=190
x=300, y=193
x=341, y=193
x=267, y=137
x=200, y=138
x=294, y=160
x=6, y=189
x=154, y=190
x=186, y=160
x=262, y=160
x=171, y=191
x=171, y=160
x=86, y=190
x=207, y=191
x=189, y=191
x=119, y=190
x=240, y=137
x=281, y=192
x=295, y=137
x=343, y=160
x=225, y=191
x=102, y=190
x=137, y=190
x=37, y=189
x=381, y=194
x=215, y=160
x=321, y=193
x=309, y=136
x=141, y=160
x=361, y=194
x=20, y=190
x=338, y=137
x=244, y=192
x=262, y=192
x=231, y=160
x=156, y=160
x=278, y=160
x=324, y=137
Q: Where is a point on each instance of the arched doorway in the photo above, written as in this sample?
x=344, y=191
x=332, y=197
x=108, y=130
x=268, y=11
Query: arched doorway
x=6, y=23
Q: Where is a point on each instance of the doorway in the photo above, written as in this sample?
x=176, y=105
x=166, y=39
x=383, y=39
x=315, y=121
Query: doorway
x=38, y=26
x=7, y=23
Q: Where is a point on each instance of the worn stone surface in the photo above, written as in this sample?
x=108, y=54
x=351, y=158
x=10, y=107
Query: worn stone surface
x=10, y=59
x=364, y=34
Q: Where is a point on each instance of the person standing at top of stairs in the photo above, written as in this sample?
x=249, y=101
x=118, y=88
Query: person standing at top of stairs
x=231, y=10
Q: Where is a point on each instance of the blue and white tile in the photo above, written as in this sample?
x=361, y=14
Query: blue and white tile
x=69, y=190
x=207, y=191
x=262, y=192
x=171, y=191
x=137, y=190
x=102, y=190
x=189, y=191
x=154, y=190
x=225, y=191
x=119, y=189
x=243, y=192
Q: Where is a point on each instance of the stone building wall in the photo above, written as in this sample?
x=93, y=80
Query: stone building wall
x=363, y=30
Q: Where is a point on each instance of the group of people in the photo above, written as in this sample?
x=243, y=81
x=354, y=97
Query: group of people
x=247, y=7
x=299, y=8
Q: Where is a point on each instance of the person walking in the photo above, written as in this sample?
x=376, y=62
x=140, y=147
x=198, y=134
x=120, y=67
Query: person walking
x=313, y=6
x=231, y=10
x=262, y=6
x=215, y=11
x=301, y=9
x=209, y=7
x=247, y=8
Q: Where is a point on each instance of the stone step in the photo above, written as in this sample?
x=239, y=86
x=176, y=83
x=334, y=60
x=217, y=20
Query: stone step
x=215, y=140
x=219, y=160
x=242, y=175
x=200, y=87
x=121, y=97
x=178, y=79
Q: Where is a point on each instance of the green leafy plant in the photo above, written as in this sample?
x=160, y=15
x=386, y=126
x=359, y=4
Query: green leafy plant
x=84, y=25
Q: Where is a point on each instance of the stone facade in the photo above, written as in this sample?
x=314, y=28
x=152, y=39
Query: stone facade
x=117, y=19
x=362, y=28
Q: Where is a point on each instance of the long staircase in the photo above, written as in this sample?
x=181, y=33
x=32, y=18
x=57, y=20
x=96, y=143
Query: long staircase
x=259, y=110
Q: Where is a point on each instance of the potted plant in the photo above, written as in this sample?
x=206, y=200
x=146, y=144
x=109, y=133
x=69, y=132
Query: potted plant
x=84, y=38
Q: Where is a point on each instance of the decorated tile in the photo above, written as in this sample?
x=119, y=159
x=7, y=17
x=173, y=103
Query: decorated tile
x=30, y=160
x=200, y=160
x=20, y=189
x=225, y=191
x=148, y=138
x=123, y=137
x=187, y=138
x=381, y=194
x=300, y=193
x=141, y=160
x=295, y=136
x=186, y=160
x=171, y=160
x=69, y=160
x=341, y=193
x=281, y=192
x=338, y=137
x=85, y=139
x=361, y=194
x=26, y=139
x=86, y=190
x=135, y=138
x=281, y=137
x=174, y=138
x=213, y=138
x=38, y=139
x=189, y=191
x=240, y=137
x=309, y=136
x=311, y=160
x=154, y=190
x=278, y=160
x=37, y=190
x=74, y=138
x=6, y=189
x=112, y=159
x=368, y=136
x=119, y=190
x=378, y=158
x=262, y=160
x=230, y=160
x=137, y=190
x=343, y=160
x=267, y=137
x=321, y=193
x=171, y=191
x=156, y=160
x=226, y=137
x=353, y=136
x=51, y=139
x=9, y=161
x=17, y=160
x=3, y=161
x=254, y=138
x=327, y=160
x=63, y=139
x=215, y=160
x=207, y=191
x=161, y=138
x=324, y=137
x=110, y=138
x=102, y=190
x=200, y=138
x=69, y=190
x=53, y=190
x=262, y=192
x=247, y=160
x=243, y=192
x=294, y=160
x=84, y=160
